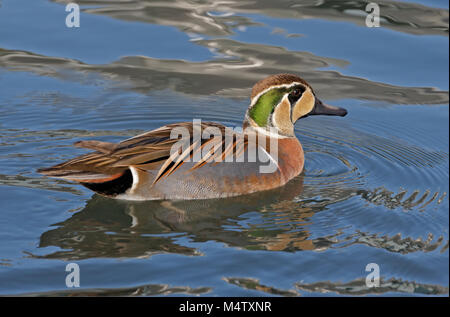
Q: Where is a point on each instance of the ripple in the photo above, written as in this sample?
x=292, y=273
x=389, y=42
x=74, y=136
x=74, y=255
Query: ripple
x=142, y=290
x=346, y=158
x=358, y=287
x=391, y=200
x=39, y=183
x=254, y=284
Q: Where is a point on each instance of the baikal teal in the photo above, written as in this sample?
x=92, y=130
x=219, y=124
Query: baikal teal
x=374, y=187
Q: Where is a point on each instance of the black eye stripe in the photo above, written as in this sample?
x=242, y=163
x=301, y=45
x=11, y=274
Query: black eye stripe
x=295, y=94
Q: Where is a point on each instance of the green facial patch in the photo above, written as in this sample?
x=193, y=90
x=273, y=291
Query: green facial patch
x=266, y=104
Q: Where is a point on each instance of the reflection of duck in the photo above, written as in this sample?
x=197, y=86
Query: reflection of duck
x=158, y=165
x=281, y=219
x=112, y=228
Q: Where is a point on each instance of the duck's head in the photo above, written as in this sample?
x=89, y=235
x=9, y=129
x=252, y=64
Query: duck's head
x=278, y=101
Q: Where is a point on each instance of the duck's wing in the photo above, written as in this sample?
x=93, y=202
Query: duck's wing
x=153, y=150
x=103, y=147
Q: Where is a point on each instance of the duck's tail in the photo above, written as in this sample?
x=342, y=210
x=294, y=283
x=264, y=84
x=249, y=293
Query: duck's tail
x=90, y=170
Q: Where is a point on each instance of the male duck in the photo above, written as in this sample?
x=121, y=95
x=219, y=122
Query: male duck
x=219, y=162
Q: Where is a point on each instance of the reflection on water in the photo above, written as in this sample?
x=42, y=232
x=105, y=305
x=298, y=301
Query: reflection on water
x=356, y=287
x=111, y=228
x=215, y=18
x=142, y=290
x=233, y=76
x=253, y=284
x=375, y=185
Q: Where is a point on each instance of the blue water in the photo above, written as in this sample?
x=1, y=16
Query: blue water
x=375, y=184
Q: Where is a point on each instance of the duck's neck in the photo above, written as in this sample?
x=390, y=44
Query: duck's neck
x=272, y=132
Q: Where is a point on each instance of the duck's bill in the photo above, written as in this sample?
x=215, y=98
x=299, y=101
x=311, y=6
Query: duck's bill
x=324, y=109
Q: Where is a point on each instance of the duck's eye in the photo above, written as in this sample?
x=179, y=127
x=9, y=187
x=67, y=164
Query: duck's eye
x=295, y=95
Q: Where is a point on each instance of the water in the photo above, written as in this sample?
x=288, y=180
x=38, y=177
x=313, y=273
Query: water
x=375, y=185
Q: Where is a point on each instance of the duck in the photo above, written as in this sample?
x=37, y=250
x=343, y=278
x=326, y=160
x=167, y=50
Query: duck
x=202, y=159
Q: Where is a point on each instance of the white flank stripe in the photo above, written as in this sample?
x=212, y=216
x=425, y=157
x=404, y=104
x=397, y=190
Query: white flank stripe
x=135, y=178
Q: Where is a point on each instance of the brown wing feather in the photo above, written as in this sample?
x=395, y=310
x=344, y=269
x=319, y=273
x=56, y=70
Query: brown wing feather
x=148, y=151
x=103, y=147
